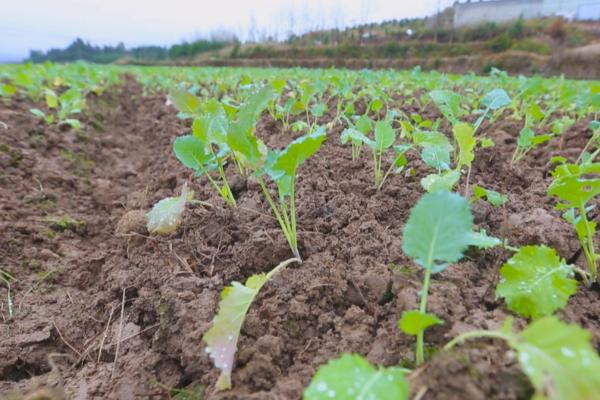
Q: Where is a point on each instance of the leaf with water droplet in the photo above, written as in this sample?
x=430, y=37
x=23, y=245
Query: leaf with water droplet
x=352, y=377
x=222, y=337
x=559, y=359
x=536, y=282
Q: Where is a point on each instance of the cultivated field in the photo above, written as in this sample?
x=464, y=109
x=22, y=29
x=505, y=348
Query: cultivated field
x=222, y=233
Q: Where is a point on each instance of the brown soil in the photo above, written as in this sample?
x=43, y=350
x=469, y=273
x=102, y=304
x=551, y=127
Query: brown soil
x=71, y=330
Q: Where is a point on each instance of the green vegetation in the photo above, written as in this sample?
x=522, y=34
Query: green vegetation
x=443, y=124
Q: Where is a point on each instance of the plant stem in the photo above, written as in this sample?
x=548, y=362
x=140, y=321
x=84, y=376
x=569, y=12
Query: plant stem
x=467, y=184
x=590, y=254
x=282, y=218
x=420, y=355
x=478, y=334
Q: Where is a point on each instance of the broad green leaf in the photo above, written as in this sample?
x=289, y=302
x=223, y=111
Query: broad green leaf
x=384, y=135
x=438, y=230
x=525, y=137
x=436, y=156
x=185, y=101
x=414, y=322
x=559, y=359
x=575, y=185
x=318, y=110
x=364, y=124
x=496, y=99
x=165, y=216
x=351, y=134
x=536, y=282
x=448, y=102
x=296, y=153
x=535, y=112
x=192, y=153
x=437, y=182
x=436, y=148
x=463, y=134
x=222, y=337
x=351, y=377
x=481, y=240
x=51, y=98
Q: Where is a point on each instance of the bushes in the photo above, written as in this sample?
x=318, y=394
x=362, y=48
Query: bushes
x=532, y=45
x=501, y=43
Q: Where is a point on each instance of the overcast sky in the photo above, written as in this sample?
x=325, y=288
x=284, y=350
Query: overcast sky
x=43, y=24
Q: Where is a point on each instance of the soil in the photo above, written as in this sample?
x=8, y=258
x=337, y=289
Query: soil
x=102, y=310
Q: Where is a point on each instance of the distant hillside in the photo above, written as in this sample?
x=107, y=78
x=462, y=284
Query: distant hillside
x=547, y=46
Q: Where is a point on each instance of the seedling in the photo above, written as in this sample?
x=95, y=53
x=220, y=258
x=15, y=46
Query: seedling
x=558, y=358
x=352, y=377
x=384, y=138
x=222, y=337
x=281, y=167
x=526, y=142
x=438, y=231
x=67, y=104
x=491, y=196
x=536, y=282
x=575, y=185
x=7, y=279
x=584, y=156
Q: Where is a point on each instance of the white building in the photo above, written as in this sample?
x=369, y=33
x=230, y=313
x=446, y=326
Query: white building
x=474, y=12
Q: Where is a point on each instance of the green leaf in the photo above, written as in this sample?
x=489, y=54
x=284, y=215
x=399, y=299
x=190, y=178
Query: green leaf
x=525, y=137
x=439, y=229
x=437, y=182
x=536, y=282
x=351, y=377
x=72, y=122
x=559, y=359
x=414, y=322
x=494, y=198
x=575, y=185
x=185, y=101
x=51, y=98
x=463, y=134
x=481, y=240
x=296, y=153
x=435, y=148
x=486, y=143
x=534, y=112
x=222, y=337
x=318, y=110
x=165, y=216
x=448, y=102
x=364, y=124
x=192, y=153
x=384, y=135
x=355, y=136
x=496, y=99
x=38, y=113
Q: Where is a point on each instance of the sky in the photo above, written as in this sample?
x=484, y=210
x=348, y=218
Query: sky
x=44, y=24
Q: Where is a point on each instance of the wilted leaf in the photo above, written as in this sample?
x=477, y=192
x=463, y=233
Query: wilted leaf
x=222, y=337
x=165, y=216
